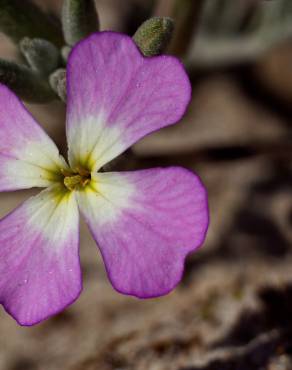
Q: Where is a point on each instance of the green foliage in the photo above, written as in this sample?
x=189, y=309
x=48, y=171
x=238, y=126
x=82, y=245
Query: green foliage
x=46, y=49
x=79, y=19
x=41, y=55
x=25, y=83
x=22, y=18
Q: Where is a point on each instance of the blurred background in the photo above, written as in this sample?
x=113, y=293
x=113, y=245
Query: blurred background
x=233, y=309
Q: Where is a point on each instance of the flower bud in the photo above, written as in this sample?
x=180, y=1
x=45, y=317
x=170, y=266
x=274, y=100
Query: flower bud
x=154, y=35
x=65, y=51
x=58, y=83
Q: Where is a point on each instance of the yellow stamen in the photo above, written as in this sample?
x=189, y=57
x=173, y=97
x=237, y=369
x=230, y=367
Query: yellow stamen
x=75, y=178
x=82, y=171
x=66, y=172
x=72, y=181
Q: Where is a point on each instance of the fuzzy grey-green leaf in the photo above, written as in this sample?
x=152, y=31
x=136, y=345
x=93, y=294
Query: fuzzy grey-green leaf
x=21, y=18
x=25, y=83
x=41, y=55
x=79, y=19
x=154, y=35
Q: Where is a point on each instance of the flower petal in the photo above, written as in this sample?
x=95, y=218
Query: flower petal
x=28, y=157
x=116, y=96
x=39, y=262
x=145, y=223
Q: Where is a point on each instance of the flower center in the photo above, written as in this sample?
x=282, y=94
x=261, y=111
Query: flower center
x=77, y=179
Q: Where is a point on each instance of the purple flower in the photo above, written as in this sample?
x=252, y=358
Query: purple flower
x=144, y=222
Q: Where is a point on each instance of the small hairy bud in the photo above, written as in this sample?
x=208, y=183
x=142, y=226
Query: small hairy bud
x=154, y=35
x=65, y=51
x=58, y=83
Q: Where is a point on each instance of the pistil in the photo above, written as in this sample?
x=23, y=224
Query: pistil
x=77, y=179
